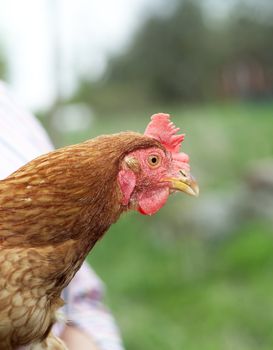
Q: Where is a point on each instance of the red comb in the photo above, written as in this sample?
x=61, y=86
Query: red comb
x=163, y=130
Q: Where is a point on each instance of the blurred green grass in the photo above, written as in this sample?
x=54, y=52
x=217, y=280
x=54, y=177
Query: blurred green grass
x=188, y=293
x=170, y=289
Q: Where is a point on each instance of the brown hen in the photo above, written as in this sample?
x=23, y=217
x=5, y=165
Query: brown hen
x=55, y=208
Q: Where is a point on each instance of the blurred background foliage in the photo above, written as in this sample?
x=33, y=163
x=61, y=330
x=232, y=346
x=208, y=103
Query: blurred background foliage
x=198, y=275
x=3, y=65
x=187, y=55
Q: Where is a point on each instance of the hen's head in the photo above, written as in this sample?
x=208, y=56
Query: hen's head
x=149, y=175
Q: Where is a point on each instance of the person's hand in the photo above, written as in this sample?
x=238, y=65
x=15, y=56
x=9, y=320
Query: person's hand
x=75, y=339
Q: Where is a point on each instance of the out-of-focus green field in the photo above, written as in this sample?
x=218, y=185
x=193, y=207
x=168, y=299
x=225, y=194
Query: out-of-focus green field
x=170, y=289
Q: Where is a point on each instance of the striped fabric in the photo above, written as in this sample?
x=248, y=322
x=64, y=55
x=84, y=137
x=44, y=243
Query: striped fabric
x=21, y=139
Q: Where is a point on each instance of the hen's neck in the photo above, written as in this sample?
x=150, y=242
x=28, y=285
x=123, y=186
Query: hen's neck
x=57, y=198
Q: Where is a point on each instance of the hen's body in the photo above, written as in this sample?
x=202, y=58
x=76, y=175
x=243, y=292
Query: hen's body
x=52, y=212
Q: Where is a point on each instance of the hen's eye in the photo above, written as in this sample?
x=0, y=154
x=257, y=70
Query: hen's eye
x=154, y=160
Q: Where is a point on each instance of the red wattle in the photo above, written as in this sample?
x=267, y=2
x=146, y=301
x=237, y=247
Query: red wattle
x=151, y=201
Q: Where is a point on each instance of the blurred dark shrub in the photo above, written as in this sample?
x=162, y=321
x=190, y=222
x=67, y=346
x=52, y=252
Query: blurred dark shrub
x=188, y=55
x=3, y=64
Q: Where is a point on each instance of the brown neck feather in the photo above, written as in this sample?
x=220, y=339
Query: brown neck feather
x=71, y=193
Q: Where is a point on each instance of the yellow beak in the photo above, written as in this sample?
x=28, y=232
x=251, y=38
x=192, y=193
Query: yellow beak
x=184, y=183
